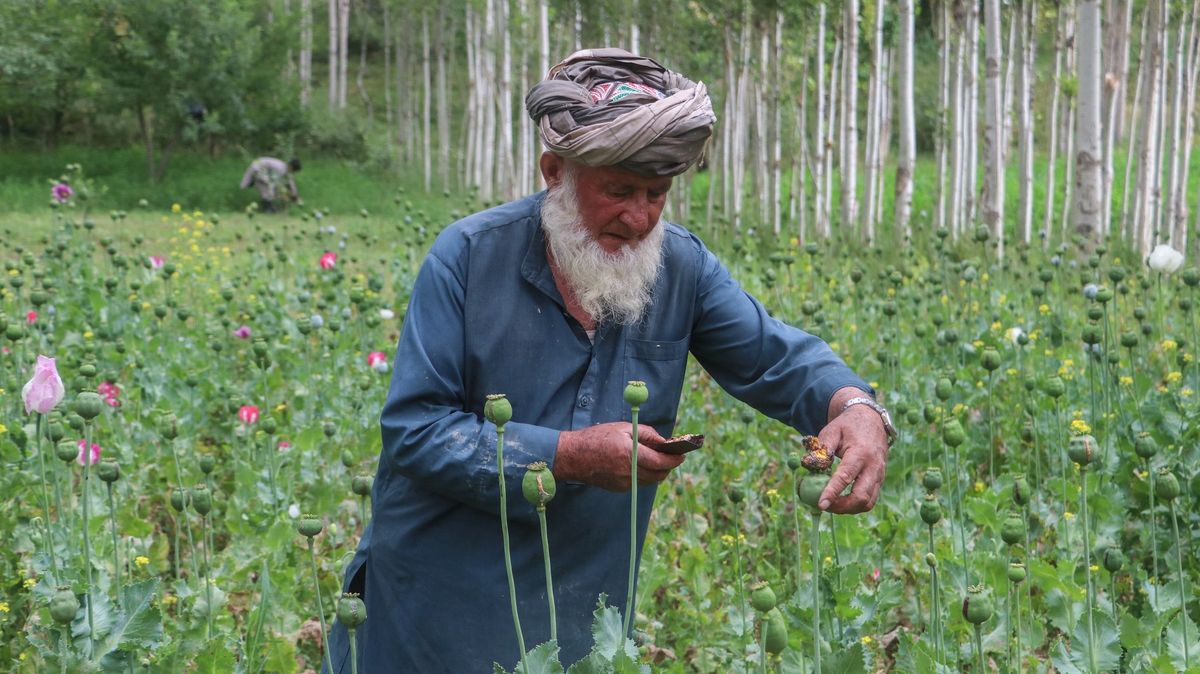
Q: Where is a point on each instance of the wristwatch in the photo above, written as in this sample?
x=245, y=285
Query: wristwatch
x=888, y=427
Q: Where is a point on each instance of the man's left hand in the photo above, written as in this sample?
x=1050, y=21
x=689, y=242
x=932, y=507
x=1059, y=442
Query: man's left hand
x=858, y=437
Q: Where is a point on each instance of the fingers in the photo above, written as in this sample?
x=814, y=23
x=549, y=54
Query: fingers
x=648, y=436
x=866, y=474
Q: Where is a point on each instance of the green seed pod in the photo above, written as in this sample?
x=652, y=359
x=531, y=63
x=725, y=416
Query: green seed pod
x=636, y=393
x=269, y=426
x=1082, y=449
x=1091, y=334
x=990, y=359
x=943, y=389
x=793, y=461
x=361, y=485
x=762, y=597
x=202, y=499
x=1029, y=382
x=74, y=421
x=932, y=481
x=87, y=370
x=1012, y=529
x=1016, y=573
x=953, y=433
x=1104, y=295
x=1114, y=559
x=1145, y=445
x=931, y=560
x=207, y=463
x=776, y=637
x=351, y=611
x=1190, y=277
x=1054, y=386
x=88, y=405
x=736, y=495
x=67, y=451
x=309, y=525
x=810, y=487
x=538, y=485
x=108, y=471
x=1021, y=491
x=977, y=605
x=1027, y=434
x=931, y=510
x=1168, y=484
x=168, y=425
x=64, y=605
x=497, y=409
x=929, y=413
x=1129, y=339
x=180, y=498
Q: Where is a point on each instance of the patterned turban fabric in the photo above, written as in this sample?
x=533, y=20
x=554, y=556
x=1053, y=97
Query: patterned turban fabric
x=608, y=107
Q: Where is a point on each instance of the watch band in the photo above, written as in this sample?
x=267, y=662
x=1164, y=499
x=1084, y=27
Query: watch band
x=888, y=427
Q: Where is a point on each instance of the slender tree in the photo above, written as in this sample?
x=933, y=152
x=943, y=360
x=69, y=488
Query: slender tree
x=908, y=139
x=1088, y=179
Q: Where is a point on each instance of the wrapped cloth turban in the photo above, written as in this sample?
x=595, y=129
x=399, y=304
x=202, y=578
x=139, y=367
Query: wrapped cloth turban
x=608, y=107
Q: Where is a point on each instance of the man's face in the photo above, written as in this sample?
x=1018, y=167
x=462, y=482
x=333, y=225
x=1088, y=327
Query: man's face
x=618, y=207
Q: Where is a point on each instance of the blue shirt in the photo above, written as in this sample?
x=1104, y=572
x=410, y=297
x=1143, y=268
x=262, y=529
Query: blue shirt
x=485, y=317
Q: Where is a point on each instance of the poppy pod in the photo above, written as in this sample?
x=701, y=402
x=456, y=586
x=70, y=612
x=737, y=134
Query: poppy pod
x=497, y=409
x=636, y=393
x=977, y=606
x=351, y=610
x=1082, y=449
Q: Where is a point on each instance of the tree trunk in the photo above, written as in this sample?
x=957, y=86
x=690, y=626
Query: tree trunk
x=1088, y=183
x=850, y=115
x=958, y=171
x=388, y=114
x=1052, y=162
x=306, y=48
x=443, y=106
x=1139, y=89
x=343, y=51
x=426, y=100
x=820, y=212
x=1025, y=116
x=334, y=45
x=906, y=162
x=362, y=72
x=835, y=76
x=993, y=138
x=943, y=131
x=1149, y=166
x=874, y=115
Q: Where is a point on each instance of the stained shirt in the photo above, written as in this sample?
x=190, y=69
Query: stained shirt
x=485, y=317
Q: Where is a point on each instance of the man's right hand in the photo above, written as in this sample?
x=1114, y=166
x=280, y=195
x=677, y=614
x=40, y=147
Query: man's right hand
x=599, y=456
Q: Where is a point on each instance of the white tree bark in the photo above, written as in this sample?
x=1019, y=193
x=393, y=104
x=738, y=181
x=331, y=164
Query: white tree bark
x=1147, y=198
x=334, y=44
x=834, y=109
x=1088, y=179
x=906, y=162
x=443, y=106
x=993, y=139
x=943, y=131
x=777, y=124
x=959, y=164
x=426, y=101
x=820, y=213
x=343, y=50
x=1129, y=229
x=388, y=110
x=306, y=49
x=1052, y=163
x=874, y=118
x=850, y=115
x=1025, y=76
x=505, y=98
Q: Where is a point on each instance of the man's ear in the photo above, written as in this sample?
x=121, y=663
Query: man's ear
x=552, y=167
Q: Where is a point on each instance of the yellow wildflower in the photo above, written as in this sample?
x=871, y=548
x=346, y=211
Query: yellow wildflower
x=772, y=493
x=1068, y=515
x=1080, y=427
x=1174, y=376
x=280, y=407
x=170, y=600
x=874, y=385
x=141, y=561
x=1126, y=380
x=978, y=344
x=996, y=326
x=1186, y=392
x=4, y=607
x=727, y=539
x=1044, y=309
x=1012, y=372
x=1169, y=345
x=945, y=299
x=985, y=277
x=3, y=429
x=22, y=656
x=1002, y=299
x=866, y=640
x=891, y=292
x=88, y=335
x=979, y=486
x=14, y=272
x=1095, y=568
x=957, y=409
x=29, y=583
x=828, y=559
x=146, y=305
x=175, y=208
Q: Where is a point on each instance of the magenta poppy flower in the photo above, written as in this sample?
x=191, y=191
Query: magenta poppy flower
x=248, y=414
x=45, y=389
x=157, y=261
x=31, y=317
x=284, y=445
x=328, y=260
x=242, y=332
x=108, y=389
x=92, y=457
x=376, y=357
x=62, y=192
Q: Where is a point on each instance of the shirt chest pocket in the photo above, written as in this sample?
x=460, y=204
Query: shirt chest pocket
x=661, y=364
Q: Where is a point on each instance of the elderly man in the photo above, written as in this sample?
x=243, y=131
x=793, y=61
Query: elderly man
x=271, y=176
x=557, y=300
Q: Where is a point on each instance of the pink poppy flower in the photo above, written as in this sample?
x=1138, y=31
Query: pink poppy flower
x=248, y=414
x=44, y=389
x=376, y=357
x=107, y=388
x=93, y=457
x=62, y=192
x=31, y=317
x=284, y=445
x=157, y=261
x=242, y=332
x=328, y=260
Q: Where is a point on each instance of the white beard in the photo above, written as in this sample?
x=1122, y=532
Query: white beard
x=608, y=286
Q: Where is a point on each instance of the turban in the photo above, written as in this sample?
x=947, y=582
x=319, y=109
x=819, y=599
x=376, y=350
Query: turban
x=608, y=107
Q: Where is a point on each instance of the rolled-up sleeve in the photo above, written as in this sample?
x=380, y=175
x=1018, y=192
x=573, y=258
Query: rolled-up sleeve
x=432, y=434
x=781, y=370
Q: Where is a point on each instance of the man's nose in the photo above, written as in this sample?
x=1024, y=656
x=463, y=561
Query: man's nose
x=638, y=216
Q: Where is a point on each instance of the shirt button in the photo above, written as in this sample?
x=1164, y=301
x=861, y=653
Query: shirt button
x=585, y=401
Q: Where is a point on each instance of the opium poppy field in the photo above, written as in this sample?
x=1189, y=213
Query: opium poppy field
x=189, y=430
